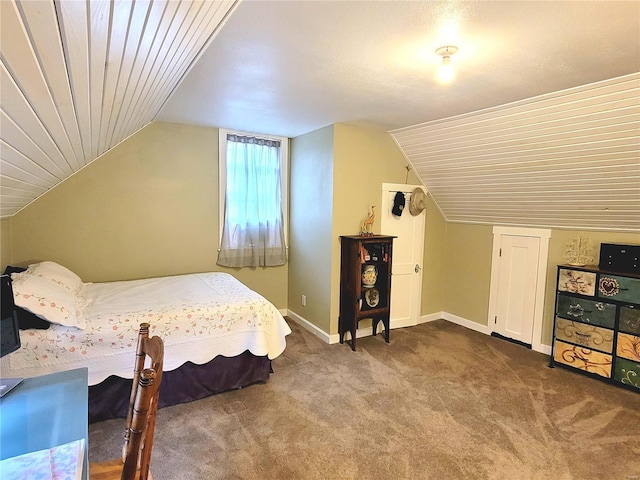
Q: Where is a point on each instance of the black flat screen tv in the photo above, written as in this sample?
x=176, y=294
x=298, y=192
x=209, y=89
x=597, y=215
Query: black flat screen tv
x=10, y=335
x=9, y=330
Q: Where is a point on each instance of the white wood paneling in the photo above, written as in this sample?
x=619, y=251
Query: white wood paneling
x=79, y=77
x=569, y=159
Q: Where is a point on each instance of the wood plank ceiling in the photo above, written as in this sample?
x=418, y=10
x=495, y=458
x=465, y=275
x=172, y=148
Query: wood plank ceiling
x=570, y=159
x=79, y=77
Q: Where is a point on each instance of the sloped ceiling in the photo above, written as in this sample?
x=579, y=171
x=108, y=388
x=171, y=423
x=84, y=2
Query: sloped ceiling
x=569, y=159
x=78, y=77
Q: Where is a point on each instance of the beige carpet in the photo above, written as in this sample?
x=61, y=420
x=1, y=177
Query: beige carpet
x=438, y=402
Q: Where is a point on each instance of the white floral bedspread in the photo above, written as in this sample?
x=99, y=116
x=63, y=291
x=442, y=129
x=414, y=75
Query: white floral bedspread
x=198, y=316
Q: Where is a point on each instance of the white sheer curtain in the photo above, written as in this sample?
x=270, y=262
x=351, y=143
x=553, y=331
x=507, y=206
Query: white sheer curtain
x=253, y=231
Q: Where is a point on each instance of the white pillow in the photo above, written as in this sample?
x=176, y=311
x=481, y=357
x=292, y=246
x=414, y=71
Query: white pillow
x=46, y=299
x=57, y=273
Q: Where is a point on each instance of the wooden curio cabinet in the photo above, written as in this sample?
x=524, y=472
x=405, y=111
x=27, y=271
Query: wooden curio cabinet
x=365, y=283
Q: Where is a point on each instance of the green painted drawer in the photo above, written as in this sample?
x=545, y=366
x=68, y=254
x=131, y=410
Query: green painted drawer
x=624, y=289
x=627, y=372
x=585, y=335
x=586, y=311
x=630, y=319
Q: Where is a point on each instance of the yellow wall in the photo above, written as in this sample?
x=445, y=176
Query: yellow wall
x=148, y=207
x=364, y=159
x=467, y=269
x=434, y=260
x=5, y=243
x=336, y=175
x=310, y=240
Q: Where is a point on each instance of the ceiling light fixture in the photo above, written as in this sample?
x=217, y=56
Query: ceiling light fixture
x=446, y=72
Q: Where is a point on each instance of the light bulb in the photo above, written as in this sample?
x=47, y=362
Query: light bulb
x=446, y=72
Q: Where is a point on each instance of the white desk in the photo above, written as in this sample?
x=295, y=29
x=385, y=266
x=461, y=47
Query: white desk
x=43, y=412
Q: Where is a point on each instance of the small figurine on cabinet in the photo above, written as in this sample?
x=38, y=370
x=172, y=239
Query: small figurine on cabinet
x=367, y=225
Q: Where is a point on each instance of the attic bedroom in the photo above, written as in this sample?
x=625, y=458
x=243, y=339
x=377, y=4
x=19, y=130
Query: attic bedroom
x=114, y=120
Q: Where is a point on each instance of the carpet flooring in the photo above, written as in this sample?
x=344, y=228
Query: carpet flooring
x=438, y=402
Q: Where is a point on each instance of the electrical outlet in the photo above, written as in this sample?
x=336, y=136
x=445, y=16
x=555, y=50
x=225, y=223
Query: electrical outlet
x=303, y=300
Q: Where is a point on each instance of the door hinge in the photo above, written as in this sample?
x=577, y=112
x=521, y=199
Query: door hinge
x=495, y=319
x=500, y=254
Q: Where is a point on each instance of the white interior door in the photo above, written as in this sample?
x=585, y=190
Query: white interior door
x=408, y=247
x=517, y=283
x=516, y=290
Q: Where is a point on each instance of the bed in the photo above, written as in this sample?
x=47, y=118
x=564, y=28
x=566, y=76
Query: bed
x=218, y=333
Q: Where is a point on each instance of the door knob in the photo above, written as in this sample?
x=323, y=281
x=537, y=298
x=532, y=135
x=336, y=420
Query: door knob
x=417, y=268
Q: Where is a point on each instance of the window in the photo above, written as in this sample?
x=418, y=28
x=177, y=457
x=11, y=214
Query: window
x=253, y=199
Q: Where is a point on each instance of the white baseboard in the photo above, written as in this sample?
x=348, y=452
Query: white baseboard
x=449, y=317
x=324, y=336
x=540, y=348
x=307, y=325
x=546, y=349
x=431, y=317
x=367, y=331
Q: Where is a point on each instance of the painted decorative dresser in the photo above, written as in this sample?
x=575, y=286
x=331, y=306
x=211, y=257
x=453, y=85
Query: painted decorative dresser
x=597, y=324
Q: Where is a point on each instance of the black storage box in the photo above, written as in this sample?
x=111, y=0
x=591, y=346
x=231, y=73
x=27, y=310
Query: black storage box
x=620, y=258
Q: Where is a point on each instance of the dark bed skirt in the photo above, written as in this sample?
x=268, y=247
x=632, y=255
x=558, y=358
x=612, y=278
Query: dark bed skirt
x=110, y=398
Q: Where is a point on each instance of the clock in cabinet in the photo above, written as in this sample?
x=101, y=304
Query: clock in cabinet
x=365, y=283
x=597, y=324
